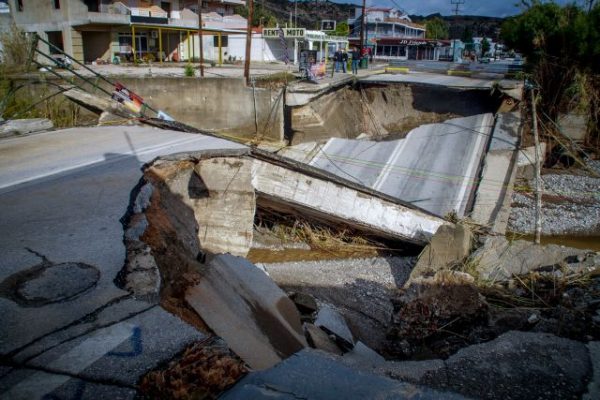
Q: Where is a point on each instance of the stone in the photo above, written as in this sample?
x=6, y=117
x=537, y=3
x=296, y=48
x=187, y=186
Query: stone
x=15, y=127
x=312, y=374
x=330, y=320
x=248, y=310
x=320, y=340
x=499, y=260
x=305, y=302
x=428, y=372
x=450, y=244
x=521, y=365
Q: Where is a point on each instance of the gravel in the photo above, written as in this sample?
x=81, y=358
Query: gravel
x=571, y=206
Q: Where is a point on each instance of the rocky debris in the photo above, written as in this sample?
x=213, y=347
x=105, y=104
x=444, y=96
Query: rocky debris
x=203, y=371
x=449, y=246
x=318, y=339
x=332, y=322
x=311, y=374
x=571, y=204
x=516, y=365
x=429, y=305
x=248, y=310
x=521, y=365
x=360, y=288
x=305, y=303
x=15, y=127
x=500, y=259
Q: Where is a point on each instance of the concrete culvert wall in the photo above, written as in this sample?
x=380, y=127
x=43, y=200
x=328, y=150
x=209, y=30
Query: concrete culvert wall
x=219, y=104
x=383, y=110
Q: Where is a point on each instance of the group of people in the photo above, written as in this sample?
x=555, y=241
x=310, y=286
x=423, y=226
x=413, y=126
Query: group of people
x=340, y=58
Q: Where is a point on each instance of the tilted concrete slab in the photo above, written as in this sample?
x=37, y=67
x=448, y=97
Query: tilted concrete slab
x=312, y=374
x=494, y=192
x=241, y=304
x=435, y=167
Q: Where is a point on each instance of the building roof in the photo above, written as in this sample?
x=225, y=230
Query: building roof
x=405, y=22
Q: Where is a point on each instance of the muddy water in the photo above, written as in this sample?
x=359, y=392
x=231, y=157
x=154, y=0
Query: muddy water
x=289, y=255
x=578, y=242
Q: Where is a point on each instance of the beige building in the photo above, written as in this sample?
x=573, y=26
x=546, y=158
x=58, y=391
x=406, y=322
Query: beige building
x=94, y=30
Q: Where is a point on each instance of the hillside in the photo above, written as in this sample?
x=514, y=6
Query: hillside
x=310, y=13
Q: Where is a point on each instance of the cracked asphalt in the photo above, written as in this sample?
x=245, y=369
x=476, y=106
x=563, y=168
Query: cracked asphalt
x=67, y=331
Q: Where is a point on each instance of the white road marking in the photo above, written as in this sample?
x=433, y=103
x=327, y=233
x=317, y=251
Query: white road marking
x=72, y=362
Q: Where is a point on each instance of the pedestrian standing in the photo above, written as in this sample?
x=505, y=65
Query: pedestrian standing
x=344, y=61
x=337, y=59
x=355, y=60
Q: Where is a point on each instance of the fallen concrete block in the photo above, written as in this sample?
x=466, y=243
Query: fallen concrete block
x=330, y=320
x=248, y=310
x=305, y=302
x=449, y=245
x=24, y=126
x=320, y=340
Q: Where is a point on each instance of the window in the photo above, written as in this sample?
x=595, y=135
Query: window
x=20, y=5
x=56, y=4
x=223, y=41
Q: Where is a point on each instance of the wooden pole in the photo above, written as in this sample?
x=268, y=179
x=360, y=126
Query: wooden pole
x=538, y=178
x=248, y=42
x=220, y=38
x=362, y=26
x=200, y=37
x=133, y=43
x=160, y=49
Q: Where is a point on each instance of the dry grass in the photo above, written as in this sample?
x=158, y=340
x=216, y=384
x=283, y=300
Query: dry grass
x=16, y=47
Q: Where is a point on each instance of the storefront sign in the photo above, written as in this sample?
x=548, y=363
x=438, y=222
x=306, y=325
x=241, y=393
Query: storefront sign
x=291, y=33
x=413, y=42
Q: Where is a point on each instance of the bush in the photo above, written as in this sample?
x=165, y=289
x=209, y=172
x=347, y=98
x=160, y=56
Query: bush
x=189, y=70
x=16, y=46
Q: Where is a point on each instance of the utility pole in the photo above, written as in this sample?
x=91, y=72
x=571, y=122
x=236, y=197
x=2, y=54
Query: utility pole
x=538, y=178
x=248, y=41
x=362, y=26
x=456, y=4
x=295, y=13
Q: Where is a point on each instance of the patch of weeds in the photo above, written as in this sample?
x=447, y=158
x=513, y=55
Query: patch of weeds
x=189, y=70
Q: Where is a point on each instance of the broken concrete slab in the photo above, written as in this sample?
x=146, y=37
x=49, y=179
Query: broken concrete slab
x=292, y=379
x=428, y=372
x=363, y=355
x=227, y=204
x=500, y=259
x=441, y=182
x=99, y=105
x=305, y=302
x=320, y=340
x=593, y=389
x=521, y=365
x=18, y=127
x=248, y=310
x=27, y=384
x=330, y=320
x=450, y=245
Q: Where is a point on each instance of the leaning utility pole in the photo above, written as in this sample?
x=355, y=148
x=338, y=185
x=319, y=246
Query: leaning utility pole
x=538, y=178
x=456, y=4
x=248, y=42
x=362, y=26
x=200, y=38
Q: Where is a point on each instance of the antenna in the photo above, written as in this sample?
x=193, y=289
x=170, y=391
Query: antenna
x=457, y=4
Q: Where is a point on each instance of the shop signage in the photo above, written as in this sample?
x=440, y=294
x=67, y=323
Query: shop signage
x=292, y=33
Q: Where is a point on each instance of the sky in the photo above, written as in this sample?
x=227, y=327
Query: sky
x=492, y=8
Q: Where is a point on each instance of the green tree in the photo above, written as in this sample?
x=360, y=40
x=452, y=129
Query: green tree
x=485, y=46
x=342, y=29
x=561, y=45
x=260, y=17
x=436, y=28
